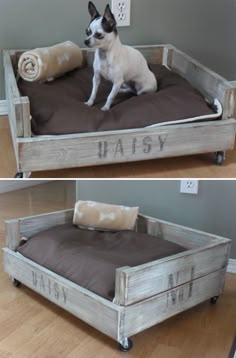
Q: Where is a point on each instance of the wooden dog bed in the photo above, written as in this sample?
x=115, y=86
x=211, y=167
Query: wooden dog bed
x=145, y=294
x=48, y=152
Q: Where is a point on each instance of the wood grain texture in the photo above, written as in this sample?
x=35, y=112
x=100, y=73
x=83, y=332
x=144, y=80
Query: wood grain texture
x=18, y=106
x=40, y=199
x=207, y=253
x=11, y=94
x=147, y=313
x=55, y=152
x=148, y=280
x=27, y=227
x=31, y=326
x=185, y=236
x=44, y=153
x=148, y=286
x=196, y=166
x=90, y=308
x=206, y=81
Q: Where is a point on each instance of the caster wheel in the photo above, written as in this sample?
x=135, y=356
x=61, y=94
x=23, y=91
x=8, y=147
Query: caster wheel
x=19, y=175
x=220, y=157
x=126, y=345
x=214, y=300
x=16, y=283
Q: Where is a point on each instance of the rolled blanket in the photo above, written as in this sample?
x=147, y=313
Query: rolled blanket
x=99, y=216
x=44, y=64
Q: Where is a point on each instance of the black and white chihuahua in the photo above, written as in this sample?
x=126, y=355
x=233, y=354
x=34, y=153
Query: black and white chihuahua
x=123, y=65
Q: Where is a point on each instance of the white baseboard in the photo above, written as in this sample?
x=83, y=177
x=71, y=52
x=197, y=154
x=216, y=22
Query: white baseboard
x=3, y=108
x=232, y=266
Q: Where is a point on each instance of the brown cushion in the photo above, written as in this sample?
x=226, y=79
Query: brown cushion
x=90, y=258
x=58, y=107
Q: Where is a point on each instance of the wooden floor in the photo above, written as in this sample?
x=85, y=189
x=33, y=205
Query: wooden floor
x=198, y=166
x=31, y=327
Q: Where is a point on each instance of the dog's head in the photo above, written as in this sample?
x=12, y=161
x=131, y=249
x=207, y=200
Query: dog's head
x=102, y=29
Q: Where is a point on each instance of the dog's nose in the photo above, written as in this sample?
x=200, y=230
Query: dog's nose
x=86, y=42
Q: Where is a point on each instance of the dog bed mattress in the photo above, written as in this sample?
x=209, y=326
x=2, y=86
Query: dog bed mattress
x=90, y=258
x=58, y=107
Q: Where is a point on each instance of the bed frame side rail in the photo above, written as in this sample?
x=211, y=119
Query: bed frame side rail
x=147, y=313
x=208, y=82
x=29, y=226
x=179, y=234
x=206, y=254
x=18, y=106
x=135, y=284
x=91, y=308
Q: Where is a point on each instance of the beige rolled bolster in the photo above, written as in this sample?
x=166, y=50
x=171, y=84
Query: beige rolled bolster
x=99, y=216
x=44, y=64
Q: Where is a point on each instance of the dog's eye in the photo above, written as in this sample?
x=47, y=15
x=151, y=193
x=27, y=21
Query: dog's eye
x=88, y=32
x=98, y=36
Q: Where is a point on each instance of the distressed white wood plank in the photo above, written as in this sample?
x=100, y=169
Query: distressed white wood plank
x=188, y=237
x=141, y=282
x=232, y=266
x=18, y=106
x=167, y=55
x=154, y=310
x=205, y=80
x=9, y=78
x=13, y=237
x=233, y=98
x=55, y=152
x=29, y=226
x=82, y=303
x=125, y=146
x=161, y=288
x=32, y=226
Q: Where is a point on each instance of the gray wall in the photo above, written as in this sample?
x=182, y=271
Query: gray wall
x=204, y=29
x=212, y=210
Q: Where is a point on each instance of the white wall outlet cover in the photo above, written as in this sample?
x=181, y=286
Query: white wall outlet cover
x=189, y=186
x=121, y=11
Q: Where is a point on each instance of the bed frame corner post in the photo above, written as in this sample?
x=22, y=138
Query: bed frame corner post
x=22, y=108
x=232, y=101
x=121, y=286
x=12, y=234
x=167, y=55
x=18, y=106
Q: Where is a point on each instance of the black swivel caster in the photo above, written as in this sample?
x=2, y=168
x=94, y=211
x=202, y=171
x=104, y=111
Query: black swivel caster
x=126, y=345
x=16, y=283
x=19, y=175
x=214, y=300
x=219, y=158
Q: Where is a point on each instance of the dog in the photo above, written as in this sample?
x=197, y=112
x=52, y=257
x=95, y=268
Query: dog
x=123, y=65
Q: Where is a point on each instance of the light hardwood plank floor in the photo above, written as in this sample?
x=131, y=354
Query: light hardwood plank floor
x=32, y=327
x=198, y=166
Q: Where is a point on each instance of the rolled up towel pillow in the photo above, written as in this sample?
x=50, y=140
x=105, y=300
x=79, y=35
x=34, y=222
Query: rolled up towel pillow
x=44, y=64
x=99, y=216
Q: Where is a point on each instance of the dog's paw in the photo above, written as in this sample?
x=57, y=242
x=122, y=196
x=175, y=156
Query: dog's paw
x=105, y=109
x=89, y=103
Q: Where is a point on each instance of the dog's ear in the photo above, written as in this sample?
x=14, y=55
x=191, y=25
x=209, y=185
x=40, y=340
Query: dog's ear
x=109, y=17
x=93, y=10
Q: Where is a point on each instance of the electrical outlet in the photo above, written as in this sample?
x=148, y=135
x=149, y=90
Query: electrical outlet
x=121, y=10
x=189, y=186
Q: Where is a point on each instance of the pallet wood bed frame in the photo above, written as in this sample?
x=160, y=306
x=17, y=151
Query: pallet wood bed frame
x=144, y=295
x=35, y=153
